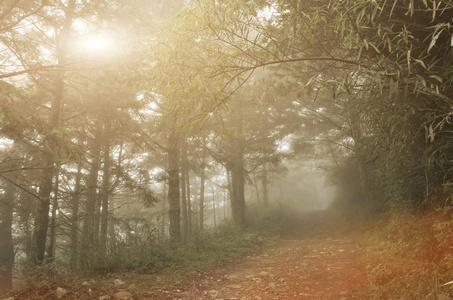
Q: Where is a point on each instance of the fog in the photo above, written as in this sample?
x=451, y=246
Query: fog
x=302, y=186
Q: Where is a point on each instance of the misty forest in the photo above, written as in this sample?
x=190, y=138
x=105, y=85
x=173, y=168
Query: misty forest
x=226, y=149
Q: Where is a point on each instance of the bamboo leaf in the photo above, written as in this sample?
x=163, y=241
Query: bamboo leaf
x=434, y=40
x=411, y=7
x=374, y=47
x=421, y=79
x=421, y=62
x=409, y=62
x=434, y=11
x=365, y=43
x=437, y=78
x=393, y=7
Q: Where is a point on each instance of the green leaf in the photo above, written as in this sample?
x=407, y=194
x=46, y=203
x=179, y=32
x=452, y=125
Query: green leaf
x=421, y=62
x=393, y=7
x=409, y=62
x=411, y=7
x=437, y=78
x=360, y=54
x=434, y=40
x=421, y=79
x=374, y=47
x=431, y=133
x=365, y=43
x=389, y=43
x=434, y=11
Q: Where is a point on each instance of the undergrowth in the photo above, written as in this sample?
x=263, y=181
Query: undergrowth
x=145, y=266
x=410, y=256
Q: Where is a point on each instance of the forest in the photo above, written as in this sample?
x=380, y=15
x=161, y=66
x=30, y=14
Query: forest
x=169, y=138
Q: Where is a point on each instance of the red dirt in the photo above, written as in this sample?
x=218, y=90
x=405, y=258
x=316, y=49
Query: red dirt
x=317, y=268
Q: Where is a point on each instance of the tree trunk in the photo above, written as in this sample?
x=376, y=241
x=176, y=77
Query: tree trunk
x=42, y=212
x=105, y=188
x=264, y=186
x=237, y=194
x=88, y=233
x=173, y=183
x=237, y=175
x=255, y=183
x=6, y=238
x=241, y=200
x=229, y=188
x=183, y=193
x=234, y=196
x=164, y=211
x=213, y=205
x=53, y=222
x=201, y=200
x=189, y=205
x=75, y=215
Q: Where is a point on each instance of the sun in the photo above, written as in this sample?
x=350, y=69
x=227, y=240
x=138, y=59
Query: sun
x=97, y=43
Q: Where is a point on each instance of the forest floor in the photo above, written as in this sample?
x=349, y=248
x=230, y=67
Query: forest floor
x=325, y=267
x=311, y=258
x=311, y=255
x=314, y=260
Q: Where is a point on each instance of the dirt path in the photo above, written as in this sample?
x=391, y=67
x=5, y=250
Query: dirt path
x=319, y=268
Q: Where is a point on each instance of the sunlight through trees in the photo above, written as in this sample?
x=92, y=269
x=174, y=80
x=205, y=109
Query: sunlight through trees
x=139, y=125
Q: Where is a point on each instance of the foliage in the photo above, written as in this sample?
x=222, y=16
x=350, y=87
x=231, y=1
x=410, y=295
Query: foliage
x=364, y=87
x=140, y=263
x=379, y=73
x=409, y=256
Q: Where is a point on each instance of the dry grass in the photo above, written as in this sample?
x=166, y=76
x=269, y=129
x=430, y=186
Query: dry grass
x=410, y=256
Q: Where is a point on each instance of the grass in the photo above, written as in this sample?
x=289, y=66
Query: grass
x=410, y=256
x=145, y=268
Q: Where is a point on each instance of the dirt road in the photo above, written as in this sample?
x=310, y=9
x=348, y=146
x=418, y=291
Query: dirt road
x=327, y=267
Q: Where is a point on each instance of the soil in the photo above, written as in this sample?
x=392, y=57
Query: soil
x=324, y=267
x=318, y=260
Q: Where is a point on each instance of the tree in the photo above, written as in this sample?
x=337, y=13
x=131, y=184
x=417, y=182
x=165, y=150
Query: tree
x=6, y=246
x=353, y=49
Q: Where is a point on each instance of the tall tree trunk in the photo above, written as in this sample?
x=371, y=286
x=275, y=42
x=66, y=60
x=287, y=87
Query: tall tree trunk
x=224, y=204
x=213, y=205
x=88, y=233
x=234, y=196
x=237, y=175
x=53, y=221
x=264, y=186
x=164, y=211
x=42, y=212
x=201, y=199
x=75, y=215
x=183, y=191
x=6, y=238
x=189, y=205
x=229, y=188
x=111, y=224
x=173, y=183
x=105, y=188
x=241, y=198
x=255, y=183
x=237, y=194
